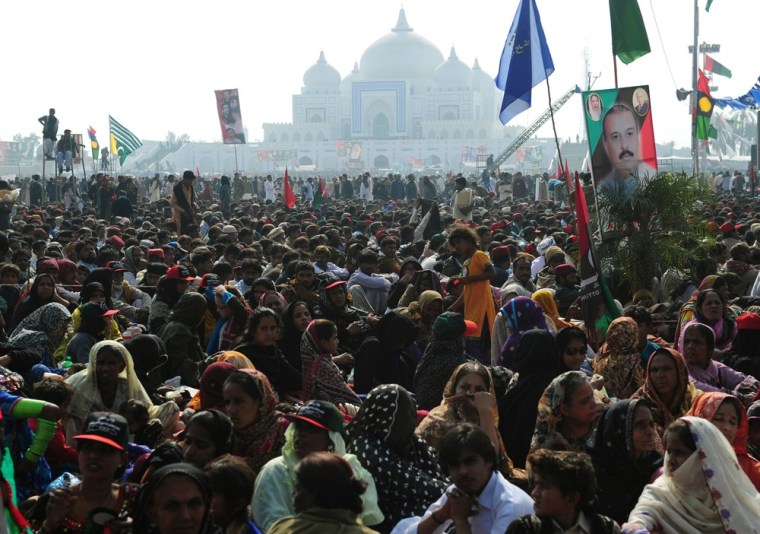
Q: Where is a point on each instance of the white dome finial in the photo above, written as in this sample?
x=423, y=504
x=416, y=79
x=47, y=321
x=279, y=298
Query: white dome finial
x=402, y=25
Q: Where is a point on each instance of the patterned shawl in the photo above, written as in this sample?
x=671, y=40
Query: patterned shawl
x=619, y=361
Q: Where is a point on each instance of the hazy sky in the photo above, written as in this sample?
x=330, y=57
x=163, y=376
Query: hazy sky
x=154, y=64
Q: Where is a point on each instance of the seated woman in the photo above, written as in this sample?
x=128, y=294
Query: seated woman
x=317, y=426
x=233, y=318
x=383, y=358
x=567, y=413
x=257, y=426
x=424, y=312
x=405, y=470
x=467, y=398
x=170, y=289
x=183, y=345
x=700, y=490
x=94, y=320
x=710, y=310
x=548, y=303
x=328, y=498
x=686, y=314
x=274, y=301
x=667, y=388
x=206, y=437
x=295, y=318
x=565, y=491
x=322, y=380
x=744, y=355
x=728, y=414
x=260, y=347
x=626, y=452
x=709, y=375
x=425, y=280
x=108, y=381
x=500, y=331
x=41, y=331
x=174, y=486
x=574, y=350
x=102, y=456
x=443, y=355
x=536, y=365
x=619, y=361
x=521, y=314
x=43, y=291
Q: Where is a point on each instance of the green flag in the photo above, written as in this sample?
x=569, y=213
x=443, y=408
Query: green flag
x=629, y=35
x=123, y=142
x=716, y=67
x=707, y=7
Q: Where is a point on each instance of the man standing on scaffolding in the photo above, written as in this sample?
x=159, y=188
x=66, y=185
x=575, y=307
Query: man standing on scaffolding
x=49, y=133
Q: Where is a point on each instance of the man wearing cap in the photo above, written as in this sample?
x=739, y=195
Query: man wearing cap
x=521, y=272
x=730, y=236
x=541, y=261
x=183, y=203
x=500, y=258
x=546, y=277
x=317, y=426
x=463, y=201
x=567, y=288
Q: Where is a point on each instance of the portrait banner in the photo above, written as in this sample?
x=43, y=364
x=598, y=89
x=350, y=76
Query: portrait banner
x=621, y=138
x=230, y=118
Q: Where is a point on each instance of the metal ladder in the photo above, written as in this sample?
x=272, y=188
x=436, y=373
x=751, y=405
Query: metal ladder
x=530, y=130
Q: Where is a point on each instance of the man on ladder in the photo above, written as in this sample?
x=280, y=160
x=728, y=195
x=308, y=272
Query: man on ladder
x=49, y=133
x=66, y=151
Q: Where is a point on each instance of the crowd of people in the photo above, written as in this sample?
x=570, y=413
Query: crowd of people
x=390, y=355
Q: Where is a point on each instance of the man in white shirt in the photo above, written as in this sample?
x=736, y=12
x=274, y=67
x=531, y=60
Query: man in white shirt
x=463, y=201
x=480, y=500
x=368, y=288
x=269, y=189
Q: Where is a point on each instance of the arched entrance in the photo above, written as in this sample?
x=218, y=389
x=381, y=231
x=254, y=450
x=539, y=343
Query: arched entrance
x=380, y=126
x=381, y=162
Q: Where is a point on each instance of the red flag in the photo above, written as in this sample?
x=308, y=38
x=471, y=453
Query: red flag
x=596, y=299
x=290, y=198
x=197, y=171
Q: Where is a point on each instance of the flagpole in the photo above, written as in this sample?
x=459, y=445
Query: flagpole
x=614, y=66
x=236, y=159
x=556, y=139
x=694, y=81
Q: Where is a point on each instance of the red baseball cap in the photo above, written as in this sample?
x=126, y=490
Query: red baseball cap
x=179, y=272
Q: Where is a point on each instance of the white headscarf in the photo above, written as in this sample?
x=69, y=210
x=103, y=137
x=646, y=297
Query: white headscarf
x=708, y=493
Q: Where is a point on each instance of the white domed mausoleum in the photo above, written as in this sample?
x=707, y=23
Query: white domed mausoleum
x=405, y=106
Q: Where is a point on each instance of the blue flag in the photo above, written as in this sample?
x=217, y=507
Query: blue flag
x=525, y=61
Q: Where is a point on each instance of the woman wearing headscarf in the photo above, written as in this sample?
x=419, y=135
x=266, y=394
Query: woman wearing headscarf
x=322, y=380
x=536, y=365
x=211, y=385
x=108, y=381
x=728, y=414
x=131, y=263
x=500, y=329
x=521, y=314
x=148, y=355
x=710, y=375
x=42, y=331
x=43, y=291
x=619, y=361
x=468, y=398
x=667, y=388
x=567, y=413
x=710, y=311
x=443, y=355
x=233, y=318
x=94, y=319
x=295, y=319
x=424, y=312
x=183, y=346
x=168, y=292
x=405, y=470
x=385, y=358
x=258, y=428
x=545, y=298
x=625, y=450
x=702, y=489
x=744, y=354
x=154, y=513
x=686, y=315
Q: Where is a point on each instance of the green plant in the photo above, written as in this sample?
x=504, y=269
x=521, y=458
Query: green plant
x=652, y=230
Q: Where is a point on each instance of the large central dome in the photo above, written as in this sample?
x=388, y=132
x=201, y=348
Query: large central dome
x=400, y=55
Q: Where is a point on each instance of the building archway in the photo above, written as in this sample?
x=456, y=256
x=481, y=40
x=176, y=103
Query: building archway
x=381, y=126
x=381, y=162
